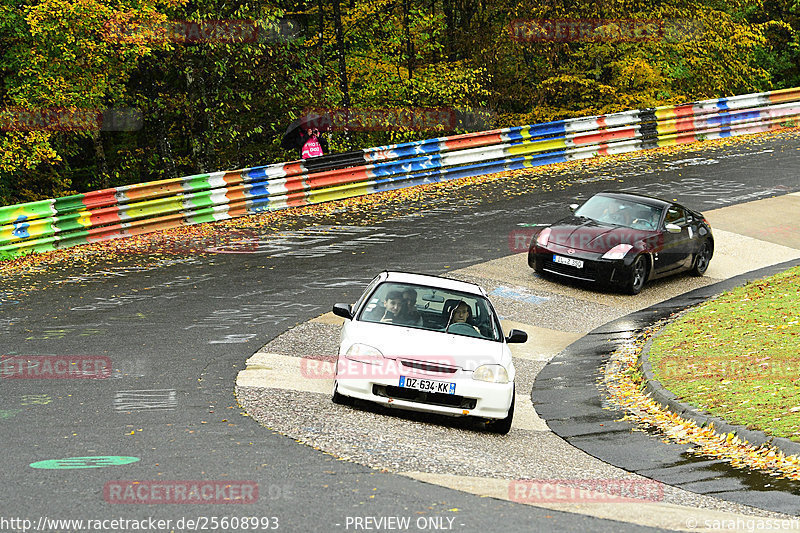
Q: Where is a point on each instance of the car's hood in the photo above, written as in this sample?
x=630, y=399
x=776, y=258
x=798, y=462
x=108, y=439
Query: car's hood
x=592, y=236
x=418, y=344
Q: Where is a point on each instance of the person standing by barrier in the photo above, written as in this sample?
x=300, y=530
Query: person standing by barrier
x=311, y=145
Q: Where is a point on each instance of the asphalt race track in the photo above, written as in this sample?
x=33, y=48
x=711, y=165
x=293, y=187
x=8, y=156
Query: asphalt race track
x=178, y=335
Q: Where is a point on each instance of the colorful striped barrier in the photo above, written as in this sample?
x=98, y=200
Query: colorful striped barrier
x=146, y=207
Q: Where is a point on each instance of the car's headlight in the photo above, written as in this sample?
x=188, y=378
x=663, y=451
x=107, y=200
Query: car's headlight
x=618, y=252
x=491, y=373
x=364, y=353
x=544, y=237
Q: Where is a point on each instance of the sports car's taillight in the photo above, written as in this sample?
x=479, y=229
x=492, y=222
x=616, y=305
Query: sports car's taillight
x=544, y=237
x=617, y=252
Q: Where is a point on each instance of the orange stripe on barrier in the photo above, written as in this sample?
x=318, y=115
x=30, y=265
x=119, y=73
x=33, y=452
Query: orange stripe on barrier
x=233, y=178
x=153, y=190
x=784, y=95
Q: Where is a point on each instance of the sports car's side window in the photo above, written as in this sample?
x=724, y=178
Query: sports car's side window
x=675, y=215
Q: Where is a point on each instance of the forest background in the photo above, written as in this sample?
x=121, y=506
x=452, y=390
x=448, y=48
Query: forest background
x=102, y=93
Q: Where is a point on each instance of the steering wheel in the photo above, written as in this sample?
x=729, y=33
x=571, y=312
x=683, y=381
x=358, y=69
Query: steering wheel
x=462, y=328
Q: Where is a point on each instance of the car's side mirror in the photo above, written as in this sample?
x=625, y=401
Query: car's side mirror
x=343, y=310
x=516, y=336
x=673, y=228
x=573, y=207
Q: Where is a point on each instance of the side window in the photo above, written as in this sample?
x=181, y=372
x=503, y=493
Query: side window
x=675, y=215
x=367, y=292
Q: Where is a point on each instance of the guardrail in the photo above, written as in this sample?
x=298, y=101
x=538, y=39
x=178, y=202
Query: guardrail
x=146, y=207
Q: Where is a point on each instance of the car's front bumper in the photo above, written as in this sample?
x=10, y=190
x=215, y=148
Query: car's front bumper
x=471, y=397
x=594, y=269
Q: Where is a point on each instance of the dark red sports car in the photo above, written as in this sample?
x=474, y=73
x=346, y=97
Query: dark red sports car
x=624, y=239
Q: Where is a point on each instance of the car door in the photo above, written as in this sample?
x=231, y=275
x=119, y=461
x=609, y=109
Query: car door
x=678, y=245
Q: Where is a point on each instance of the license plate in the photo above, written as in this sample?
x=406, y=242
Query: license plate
x=577, y=263
x=427, y=385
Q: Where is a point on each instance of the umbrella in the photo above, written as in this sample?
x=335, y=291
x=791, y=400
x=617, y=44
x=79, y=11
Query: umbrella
x=293, y=140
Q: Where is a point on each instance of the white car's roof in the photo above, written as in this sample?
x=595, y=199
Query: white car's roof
x=434, y=281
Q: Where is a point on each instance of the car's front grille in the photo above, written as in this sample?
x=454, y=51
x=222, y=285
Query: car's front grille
x=430, y=398
x=429, y=367
x=588, y=272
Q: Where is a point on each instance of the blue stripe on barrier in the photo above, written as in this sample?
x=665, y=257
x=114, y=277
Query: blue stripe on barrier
x=727, y=118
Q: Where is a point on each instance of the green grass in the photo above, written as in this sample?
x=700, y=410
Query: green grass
x=738, y=356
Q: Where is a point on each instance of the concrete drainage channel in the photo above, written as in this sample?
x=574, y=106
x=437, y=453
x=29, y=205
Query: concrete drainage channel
x=286, y=387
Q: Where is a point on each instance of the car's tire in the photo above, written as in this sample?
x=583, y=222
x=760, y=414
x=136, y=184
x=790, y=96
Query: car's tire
x=339, y=398
x=702, y=259
x=638, y=275
x=503, y=425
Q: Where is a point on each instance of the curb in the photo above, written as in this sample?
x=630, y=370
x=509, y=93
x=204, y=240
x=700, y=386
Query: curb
x=567, y=395
x=667, y=399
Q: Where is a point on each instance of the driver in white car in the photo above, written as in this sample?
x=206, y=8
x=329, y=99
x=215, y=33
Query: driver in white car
x=461, y=313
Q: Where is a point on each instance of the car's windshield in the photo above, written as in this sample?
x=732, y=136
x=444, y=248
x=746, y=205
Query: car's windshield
x=432, y=309
x=627, y=213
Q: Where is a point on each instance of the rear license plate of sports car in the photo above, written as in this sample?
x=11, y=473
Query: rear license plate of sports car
x=577, y=263
x=427, y=385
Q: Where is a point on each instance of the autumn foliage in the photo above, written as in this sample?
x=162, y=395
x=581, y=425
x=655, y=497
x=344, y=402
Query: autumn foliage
x=216, y=83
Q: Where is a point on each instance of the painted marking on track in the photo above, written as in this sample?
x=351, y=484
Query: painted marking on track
x=146, y=400
x=235, y=338
x=71, y=463
x=518, y=294
x=36, y=399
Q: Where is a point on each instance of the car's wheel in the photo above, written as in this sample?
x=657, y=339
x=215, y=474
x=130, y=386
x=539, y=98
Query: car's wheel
x=702, y=259
x=503, y=426
x=338, y=398
x=638, y=275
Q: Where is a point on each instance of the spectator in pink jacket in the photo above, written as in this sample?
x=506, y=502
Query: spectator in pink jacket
x=311, y=145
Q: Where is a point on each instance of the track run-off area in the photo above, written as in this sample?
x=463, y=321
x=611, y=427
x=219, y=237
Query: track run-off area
x=176, y=328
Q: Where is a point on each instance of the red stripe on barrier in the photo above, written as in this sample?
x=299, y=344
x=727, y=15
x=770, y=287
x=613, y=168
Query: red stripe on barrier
x=686, y=124
x=685, y=110
x=103, y=198
x=337, y=177
x=108, y=215
x=105, y=233
x=294, y=168
x=296, y=199
x=471, y=140
x=605, y=136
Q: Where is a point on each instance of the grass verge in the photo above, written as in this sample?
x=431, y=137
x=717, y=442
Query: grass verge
x=738, y=356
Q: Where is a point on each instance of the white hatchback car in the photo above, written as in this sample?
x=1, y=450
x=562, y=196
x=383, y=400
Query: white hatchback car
x=426, y=343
